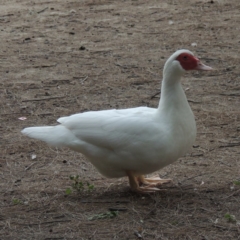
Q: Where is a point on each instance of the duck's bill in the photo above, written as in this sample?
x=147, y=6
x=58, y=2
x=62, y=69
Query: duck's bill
x=203, y=67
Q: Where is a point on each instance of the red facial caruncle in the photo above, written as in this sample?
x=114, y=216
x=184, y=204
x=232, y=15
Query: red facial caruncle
x=189, y=62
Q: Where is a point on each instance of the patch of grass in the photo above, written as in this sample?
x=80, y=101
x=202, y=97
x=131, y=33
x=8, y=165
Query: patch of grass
x=237, y=182
x=230, y=217
x=79, y=185
x=90, y=186
x=68, y=191
x=16, y=201
x=174, y=223
x=109, y=214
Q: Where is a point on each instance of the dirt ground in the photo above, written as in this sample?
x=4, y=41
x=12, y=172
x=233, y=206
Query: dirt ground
x=62, y=57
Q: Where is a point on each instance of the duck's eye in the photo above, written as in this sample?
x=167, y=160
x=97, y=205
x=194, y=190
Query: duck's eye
x=185, y=57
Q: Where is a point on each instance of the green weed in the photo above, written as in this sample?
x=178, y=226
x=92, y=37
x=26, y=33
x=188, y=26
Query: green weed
x=229, y=217
x=79, y=185
x=16, y=201
x=236, y=183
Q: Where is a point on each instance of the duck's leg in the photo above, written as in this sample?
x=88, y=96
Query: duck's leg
x=152, y=181
x=134, y=184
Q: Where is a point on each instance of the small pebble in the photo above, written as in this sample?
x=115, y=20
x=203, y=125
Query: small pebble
x=82, y=48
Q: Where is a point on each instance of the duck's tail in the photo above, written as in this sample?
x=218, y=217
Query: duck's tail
x=58, y=136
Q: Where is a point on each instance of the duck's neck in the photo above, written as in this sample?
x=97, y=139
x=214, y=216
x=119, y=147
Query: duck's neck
x=173, y=97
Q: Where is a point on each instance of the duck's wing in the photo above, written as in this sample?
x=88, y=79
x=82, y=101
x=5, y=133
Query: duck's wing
x=111, y=129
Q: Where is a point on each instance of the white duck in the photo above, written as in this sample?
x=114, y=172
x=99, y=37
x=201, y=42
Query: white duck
x=136, y=141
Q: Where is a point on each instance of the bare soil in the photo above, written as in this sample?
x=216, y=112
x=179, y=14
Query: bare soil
x=62, y=57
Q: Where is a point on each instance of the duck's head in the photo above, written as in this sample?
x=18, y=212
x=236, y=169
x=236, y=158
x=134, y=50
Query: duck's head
x=183, y=60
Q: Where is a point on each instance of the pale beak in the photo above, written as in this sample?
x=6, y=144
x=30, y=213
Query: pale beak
x=201, y=66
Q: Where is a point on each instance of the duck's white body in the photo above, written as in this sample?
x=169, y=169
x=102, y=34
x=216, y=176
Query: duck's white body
x=136, y=140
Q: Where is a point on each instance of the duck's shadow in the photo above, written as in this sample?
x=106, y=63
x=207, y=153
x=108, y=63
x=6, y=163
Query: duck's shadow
x=170, y=197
